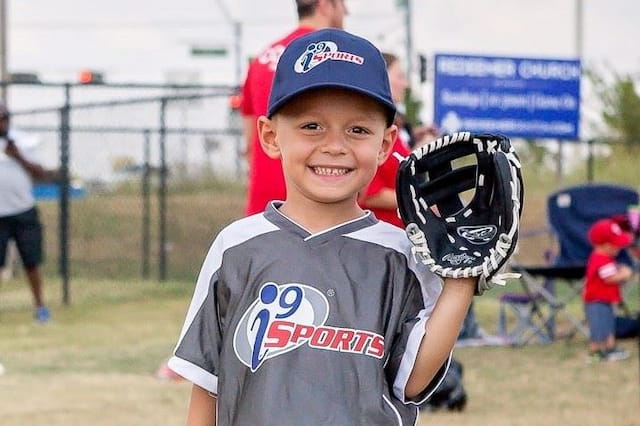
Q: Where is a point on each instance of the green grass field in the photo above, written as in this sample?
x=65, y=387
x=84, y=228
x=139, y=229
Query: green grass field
x=96, y=362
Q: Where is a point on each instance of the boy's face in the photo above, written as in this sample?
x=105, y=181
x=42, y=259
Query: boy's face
x=609, y=249
x=330, y=142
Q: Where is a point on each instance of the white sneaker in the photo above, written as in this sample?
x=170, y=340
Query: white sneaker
x=616, y=354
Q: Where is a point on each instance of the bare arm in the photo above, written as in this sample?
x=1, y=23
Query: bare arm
x=442, y=330
x=202, y=408
x=385, y=199
x=36, y=171
x=623, y=274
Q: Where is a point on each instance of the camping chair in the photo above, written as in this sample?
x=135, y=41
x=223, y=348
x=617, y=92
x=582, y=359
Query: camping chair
x=570, y=212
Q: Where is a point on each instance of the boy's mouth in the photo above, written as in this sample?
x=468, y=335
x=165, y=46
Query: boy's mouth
x=330, y=171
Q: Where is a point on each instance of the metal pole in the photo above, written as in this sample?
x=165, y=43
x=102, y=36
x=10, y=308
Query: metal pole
x=409, y=39
x=579, y=38
x=590, y=161
x=4, y=75
x=64, y=193
x=579, y=29
x=238, y=138
x=237, y=39
x=162, y=193
x=559, y=160
x=237, y=35
x=146, y=206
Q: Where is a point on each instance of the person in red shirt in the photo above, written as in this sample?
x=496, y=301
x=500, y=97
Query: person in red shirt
x=266, y=180
x=380, y=195
x=601, y=292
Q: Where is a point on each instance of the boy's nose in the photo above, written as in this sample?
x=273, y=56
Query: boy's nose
x=334, y=143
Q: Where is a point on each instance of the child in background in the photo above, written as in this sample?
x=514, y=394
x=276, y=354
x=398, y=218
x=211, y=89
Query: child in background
x=602, y=289
x=314, y=312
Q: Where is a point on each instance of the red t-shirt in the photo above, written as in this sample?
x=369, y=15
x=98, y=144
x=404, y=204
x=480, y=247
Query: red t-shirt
x=596, y=289
x=385, y=177
x=266, y=180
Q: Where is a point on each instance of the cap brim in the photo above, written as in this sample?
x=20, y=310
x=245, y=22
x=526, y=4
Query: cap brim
x=390, y=108
x=622, y=241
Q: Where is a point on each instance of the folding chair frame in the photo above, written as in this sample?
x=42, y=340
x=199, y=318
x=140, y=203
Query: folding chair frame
x=527, y=310
x=556, y=305
x=570, y=212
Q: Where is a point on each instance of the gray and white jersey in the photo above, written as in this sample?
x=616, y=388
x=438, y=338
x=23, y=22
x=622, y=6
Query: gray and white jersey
x=293, y=328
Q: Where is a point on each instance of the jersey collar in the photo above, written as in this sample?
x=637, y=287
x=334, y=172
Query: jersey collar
x=273, y=215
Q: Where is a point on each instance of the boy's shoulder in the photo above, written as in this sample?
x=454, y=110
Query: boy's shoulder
x=254, y=223
x=383, y=234
x=244, y=229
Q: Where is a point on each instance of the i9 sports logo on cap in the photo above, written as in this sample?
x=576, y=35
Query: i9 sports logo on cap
x=317, y=53
x=350, y=62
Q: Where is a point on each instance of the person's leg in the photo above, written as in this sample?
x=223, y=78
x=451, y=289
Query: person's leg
x=612, y=351
x=28, y=239
x=35, y=282
x=608, y=319
x=598, y=331
x=5, y=235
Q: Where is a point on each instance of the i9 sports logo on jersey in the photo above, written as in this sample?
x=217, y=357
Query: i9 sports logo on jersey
x=285, y=317
x=319, y=52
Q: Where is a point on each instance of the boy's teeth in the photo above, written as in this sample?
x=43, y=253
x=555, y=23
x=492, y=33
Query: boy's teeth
x=329, y=171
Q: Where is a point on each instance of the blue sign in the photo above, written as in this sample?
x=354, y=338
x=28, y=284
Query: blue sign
x=518, y=97
x=51, y=191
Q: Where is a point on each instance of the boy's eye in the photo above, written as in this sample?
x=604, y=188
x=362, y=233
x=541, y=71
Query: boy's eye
x=360, y=130
x=310, y=126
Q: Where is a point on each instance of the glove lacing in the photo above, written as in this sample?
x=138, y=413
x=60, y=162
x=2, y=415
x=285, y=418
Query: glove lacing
x=488, y=273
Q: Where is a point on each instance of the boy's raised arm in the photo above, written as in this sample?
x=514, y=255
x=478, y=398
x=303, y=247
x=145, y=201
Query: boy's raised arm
x=442, y=330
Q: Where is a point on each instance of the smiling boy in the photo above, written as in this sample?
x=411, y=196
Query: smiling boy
x=314, y=312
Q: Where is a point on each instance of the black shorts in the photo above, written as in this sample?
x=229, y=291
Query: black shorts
x=25, y=229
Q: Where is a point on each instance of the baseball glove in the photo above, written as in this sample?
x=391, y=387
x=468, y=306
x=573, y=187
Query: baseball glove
x=454, y=238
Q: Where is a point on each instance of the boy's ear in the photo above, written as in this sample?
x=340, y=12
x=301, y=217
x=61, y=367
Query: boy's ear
x=268, y=137
x=390, y=134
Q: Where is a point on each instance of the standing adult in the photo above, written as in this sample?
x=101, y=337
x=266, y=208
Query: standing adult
x=380, y=195
x=266, y=180
x=19, y=219
x=413, y=136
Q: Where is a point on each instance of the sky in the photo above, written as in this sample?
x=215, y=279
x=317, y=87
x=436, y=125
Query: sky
x=142, y=40
x=151, y=40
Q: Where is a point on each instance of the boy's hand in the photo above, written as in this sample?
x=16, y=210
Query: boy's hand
x=454, y=238
x=625, y=272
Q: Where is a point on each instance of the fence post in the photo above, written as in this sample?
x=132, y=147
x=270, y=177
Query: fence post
x=590, y=159
x=146, y=205
x=162, y=193
x=64, y=193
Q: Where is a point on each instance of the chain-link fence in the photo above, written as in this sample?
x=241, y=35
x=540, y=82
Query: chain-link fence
x=128, y=155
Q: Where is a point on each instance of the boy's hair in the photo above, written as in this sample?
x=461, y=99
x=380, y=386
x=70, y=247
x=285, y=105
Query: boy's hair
x=331, y=58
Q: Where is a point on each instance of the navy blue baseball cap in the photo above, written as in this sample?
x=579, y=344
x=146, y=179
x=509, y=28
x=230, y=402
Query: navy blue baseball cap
x=331, y=58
